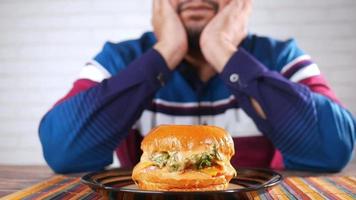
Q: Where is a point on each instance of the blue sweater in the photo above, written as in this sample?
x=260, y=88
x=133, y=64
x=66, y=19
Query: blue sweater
x=128, y=87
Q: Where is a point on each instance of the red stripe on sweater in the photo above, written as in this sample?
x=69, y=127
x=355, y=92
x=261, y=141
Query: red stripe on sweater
x=277, y=161
x=255, y=151
x=78, y=86
x=319, y=85
x=128, y=151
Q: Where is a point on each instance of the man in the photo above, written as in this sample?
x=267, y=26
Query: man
x=201, y=67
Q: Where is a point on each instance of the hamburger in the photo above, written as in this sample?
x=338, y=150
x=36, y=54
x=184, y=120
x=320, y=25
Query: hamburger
x=185, y=158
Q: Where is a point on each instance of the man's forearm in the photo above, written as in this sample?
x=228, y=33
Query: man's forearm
x=296, y=120
x=80, y=133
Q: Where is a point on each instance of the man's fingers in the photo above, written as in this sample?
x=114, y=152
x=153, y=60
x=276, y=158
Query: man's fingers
x=247, y=6
x=238, y=8
x=161, y=7
x=165, y=4
x=232, y=8
x=233, y=4
x=240, y=5
x=258, y=108
x=155, y=6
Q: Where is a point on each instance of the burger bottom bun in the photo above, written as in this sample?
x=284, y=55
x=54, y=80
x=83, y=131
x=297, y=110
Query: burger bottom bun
x=167, y=187
x=153, y=178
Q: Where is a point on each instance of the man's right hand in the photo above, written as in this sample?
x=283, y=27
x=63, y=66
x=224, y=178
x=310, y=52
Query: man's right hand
x=172, y=40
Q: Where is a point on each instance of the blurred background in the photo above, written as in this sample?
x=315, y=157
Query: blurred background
x=44, y=44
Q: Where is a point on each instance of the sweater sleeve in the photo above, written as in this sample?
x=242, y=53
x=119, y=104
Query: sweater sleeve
x=82, y=130
x=312, y=131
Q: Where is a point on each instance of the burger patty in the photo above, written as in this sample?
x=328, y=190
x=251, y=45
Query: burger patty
x=175, y=161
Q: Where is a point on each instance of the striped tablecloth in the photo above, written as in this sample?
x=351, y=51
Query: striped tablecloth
x=62, y=187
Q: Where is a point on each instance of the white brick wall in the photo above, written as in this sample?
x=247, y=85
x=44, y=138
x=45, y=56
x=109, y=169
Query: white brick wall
x=43, y=45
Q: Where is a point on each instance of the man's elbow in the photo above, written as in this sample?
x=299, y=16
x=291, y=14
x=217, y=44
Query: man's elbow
x=331, y=157
x=338, y=157
x=63, y=164
x=60, y=159
x=64, y=158
x=338, y=151
x=59, y=164
x=54, y=154
x=328, y=158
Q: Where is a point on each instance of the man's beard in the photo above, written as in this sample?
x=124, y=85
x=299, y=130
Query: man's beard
x=194, y=33
x=194, y=38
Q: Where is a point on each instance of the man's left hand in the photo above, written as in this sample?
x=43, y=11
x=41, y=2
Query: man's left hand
x=220, y=38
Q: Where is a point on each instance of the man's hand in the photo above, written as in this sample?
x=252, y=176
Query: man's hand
x=172, y=40
x=220, y=38
x=223, y=34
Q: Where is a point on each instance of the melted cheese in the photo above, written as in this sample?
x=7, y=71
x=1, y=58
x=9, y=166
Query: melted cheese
x=212, y=171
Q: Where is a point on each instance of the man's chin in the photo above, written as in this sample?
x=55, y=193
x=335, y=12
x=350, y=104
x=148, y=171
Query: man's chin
x=194, y=38
x=195, y=25
x=196, y=22
x=194, y=28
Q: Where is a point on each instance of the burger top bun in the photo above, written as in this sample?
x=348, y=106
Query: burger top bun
x=192, y=138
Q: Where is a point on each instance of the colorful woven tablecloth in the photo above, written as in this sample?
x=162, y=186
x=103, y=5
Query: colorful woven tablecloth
x=62, y=187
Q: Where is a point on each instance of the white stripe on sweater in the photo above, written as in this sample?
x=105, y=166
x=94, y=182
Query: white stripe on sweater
x=194, y=104
x=306, y=72
x=94, y=71
x=235, y=121
x=293, y=62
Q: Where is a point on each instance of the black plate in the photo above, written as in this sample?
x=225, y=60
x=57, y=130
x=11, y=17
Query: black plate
x=117, y=184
